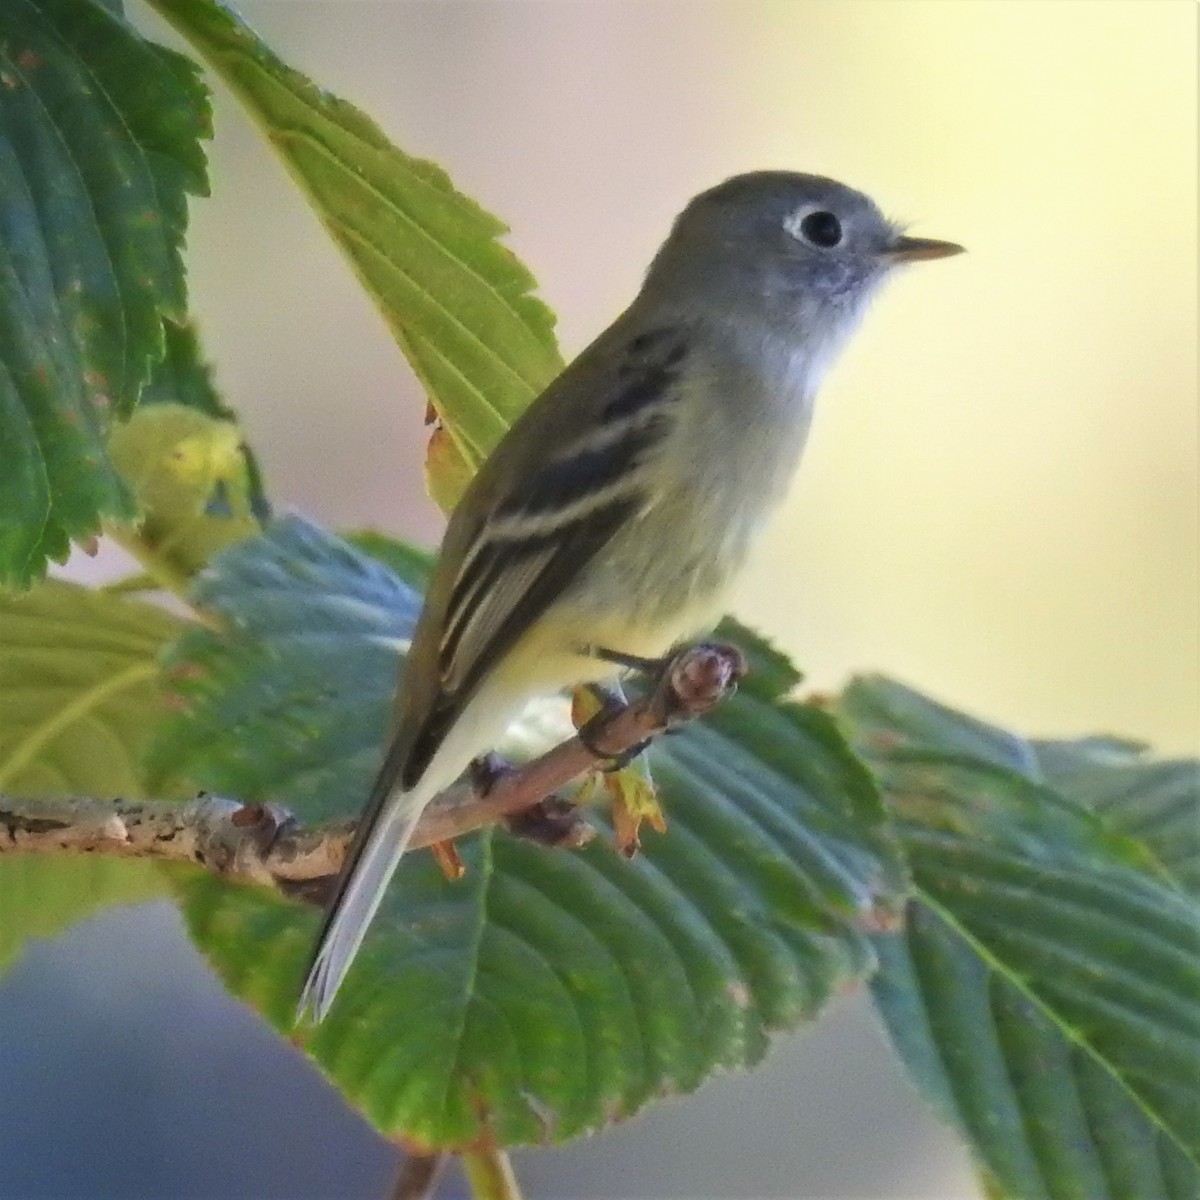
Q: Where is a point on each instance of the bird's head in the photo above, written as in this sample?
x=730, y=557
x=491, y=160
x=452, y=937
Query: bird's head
x=787, y=246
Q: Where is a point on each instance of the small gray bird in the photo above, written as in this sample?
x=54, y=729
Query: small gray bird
x=618, y=509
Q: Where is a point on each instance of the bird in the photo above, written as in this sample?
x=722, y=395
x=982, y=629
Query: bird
x=611, y=520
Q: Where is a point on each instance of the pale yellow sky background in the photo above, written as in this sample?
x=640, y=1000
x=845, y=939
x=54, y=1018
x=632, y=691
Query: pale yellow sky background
x=999, y=502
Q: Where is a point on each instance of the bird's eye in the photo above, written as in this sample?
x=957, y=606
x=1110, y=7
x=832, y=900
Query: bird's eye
x=821, y=229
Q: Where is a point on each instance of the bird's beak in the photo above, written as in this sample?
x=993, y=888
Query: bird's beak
x=913, y=249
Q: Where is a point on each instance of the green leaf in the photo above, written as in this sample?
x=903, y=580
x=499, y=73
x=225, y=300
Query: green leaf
x=183, y=376
x=1154, y=800
x=1045, y=993
x=291, y=699
x=887, y=716
x=548, y=992
x=189, y=472
x=411, y=564
x=79, y=690
x=456, y=300
x=41, y=896
x=79, y=697
x=98, y=145
x=1046, y=1118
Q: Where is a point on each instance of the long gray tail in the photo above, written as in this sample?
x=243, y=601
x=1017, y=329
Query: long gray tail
x=363, y=884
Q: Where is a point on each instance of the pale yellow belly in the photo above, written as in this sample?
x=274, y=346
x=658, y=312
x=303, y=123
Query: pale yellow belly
x=552, y=655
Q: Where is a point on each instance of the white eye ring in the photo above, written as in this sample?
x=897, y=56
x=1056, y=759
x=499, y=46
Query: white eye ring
x=816, y=227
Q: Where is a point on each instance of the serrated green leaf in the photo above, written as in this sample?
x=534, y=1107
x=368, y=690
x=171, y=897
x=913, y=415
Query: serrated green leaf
x=302, y=675
x=887, y=716
x=1154, y=800
x=456, y=300
x=1046, y=992
x=79, y=697
x=1046, y=1119
x=99, y=144
x=79, y=690
x=549, y=992
x=182, y=376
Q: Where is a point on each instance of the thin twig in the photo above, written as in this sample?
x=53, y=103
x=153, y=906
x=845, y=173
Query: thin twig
x=264, y=844
x=490, y=1174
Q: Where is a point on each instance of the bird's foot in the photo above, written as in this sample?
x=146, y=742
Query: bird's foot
x=591, y=713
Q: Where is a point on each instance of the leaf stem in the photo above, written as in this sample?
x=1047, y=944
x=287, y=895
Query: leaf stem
x=418, y=1177
x=130, y=585
x=490, y=1174
x=155, y=565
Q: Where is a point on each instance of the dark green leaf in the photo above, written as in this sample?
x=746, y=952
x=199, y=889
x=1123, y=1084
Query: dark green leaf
x=1046, y=991
x=1154, y=800
x=1046, y=1118
x=98, y=145
x=292, y=700
x=888, y=716
x=549, y=992
x=182, y=376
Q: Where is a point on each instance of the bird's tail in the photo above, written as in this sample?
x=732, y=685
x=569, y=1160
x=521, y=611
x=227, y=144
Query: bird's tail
x=364, y=880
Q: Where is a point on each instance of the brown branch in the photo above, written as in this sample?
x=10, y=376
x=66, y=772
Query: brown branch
x=264, y=844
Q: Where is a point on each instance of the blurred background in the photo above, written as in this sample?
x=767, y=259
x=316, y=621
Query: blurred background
x=999, y=503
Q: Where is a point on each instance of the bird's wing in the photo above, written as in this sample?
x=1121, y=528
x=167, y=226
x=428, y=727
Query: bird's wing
x=541, y=534
x=504, y=562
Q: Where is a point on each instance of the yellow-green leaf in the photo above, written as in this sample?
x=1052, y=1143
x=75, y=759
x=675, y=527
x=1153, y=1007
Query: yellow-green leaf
x=79, y=699
x=79, y=693
x=456, y=300
x=189, y=472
